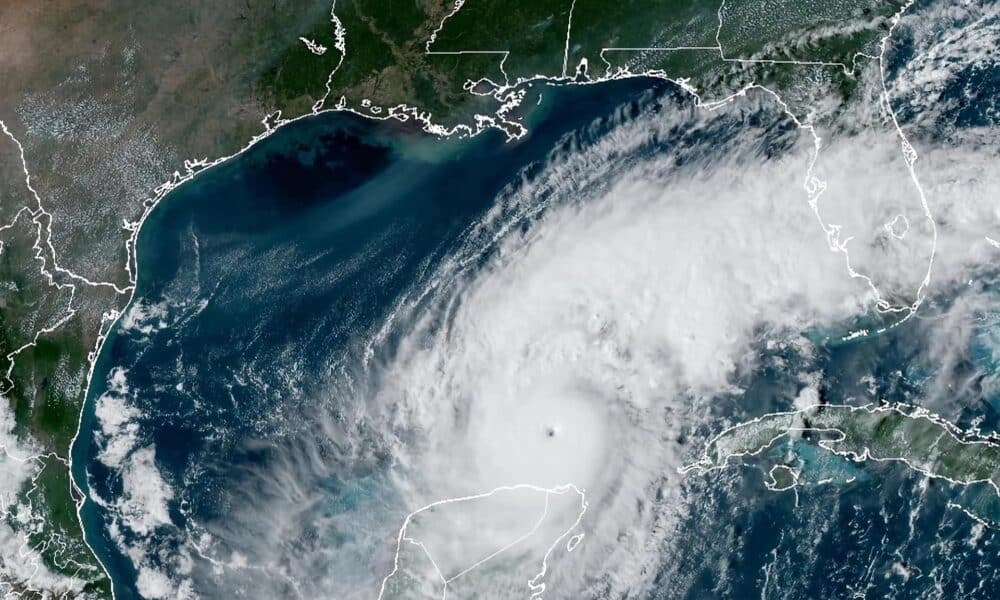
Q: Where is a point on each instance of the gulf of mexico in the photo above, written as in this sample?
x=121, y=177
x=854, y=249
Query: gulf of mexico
x=257, y=280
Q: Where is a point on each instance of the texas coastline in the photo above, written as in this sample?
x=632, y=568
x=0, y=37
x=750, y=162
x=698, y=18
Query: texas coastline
x=487, y=160
x=479, y=146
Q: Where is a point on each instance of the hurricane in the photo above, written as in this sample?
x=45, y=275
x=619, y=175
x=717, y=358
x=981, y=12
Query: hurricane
x=479, y=368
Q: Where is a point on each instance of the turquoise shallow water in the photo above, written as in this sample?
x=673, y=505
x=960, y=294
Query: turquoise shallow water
x=214, y=444
x=298, y=248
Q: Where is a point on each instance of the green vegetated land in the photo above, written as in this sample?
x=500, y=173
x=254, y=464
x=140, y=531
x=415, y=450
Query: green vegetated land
x=131, y=90
x=43, y=384
x=885, y=433
x=426, y=56
x=186, y=79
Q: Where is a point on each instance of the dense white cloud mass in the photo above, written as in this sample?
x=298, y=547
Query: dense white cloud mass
x=618, y=296
x=580, y=336
x=575, y=355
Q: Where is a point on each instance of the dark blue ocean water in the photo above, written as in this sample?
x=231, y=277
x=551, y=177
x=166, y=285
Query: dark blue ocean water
x=300, y=246
x=260, y=281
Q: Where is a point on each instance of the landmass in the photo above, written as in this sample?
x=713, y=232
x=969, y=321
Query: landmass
x=442, y=546
x=108, y=105
x=905, y=434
